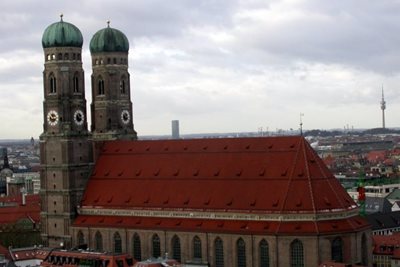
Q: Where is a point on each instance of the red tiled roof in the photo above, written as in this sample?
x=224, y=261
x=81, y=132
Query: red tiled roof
x=390, y=243
x=38, y=253
x=31, y=211
x=273, y=175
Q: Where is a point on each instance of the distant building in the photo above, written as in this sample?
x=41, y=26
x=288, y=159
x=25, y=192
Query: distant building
x=175, y=129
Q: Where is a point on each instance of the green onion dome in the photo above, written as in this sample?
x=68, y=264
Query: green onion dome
x=62, y=34
x=109, y=40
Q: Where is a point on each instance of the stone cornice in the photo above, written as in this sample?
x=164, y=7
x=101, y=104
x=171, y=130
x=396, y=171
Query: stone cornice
x=221, y=215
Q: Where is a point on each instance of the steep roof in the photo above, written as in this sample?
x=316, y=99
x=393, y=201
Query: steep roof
x=263, y=176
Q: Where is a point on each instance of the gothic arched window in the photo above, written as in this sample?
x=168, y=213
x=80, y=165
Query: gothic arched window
x=196, y=247
x=137, y=249
x=296, y=254
x=80, y=238
x=76, y=83
x=98, y=241
x=156, y=246
x=337, y=250
x=122, y=86
x=219, y=252
x=117, y=243
x=364, y=250
x=53, y=84
x=100, y=86
x=241, y=253
x=176, y=248
x=263, y=250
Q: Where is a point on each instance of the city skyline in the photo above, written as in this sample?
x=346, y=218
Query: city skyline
x=217, y=66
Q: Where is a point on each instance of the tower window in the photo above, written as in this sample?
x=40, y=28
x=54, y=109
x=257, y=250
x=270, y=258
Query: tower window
x=48, y=57
x=98, y=241
x=73, y=56
x=108, y=60
x=100, y=87
x=122, y=86
x=66, y=56
x=53, y=84
x=78, y=56
x=117, y=243
x=115, y=60
x=59, y=57
x=76, y=84
x=53, y=57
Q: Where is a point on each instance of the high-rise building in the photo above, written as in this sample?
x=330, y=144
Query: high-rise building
x=175, y=129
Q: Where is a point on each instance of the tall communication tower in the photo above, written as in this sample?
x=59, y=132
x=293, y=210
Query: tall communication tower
x=383, y=107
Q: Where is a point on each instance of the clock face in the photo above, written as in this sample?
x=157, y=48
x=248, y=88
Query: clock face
x=125, y=117
x=52, y=118
x=79, y=117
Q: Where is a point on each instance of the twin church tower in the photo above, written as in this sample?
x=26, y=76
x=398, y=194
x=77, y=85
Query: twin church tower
x=68, y=148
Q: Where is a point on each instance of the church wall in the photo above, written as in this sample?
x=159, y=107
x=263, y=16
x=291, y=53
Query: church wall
x=316, y=248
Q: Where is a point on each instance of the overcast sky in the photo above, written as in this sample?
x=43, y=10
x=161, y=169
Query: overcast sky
x=217, y=65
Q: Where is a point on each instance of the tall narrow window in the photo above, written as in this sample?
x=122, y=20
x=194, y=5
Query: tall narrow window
x=137, y=249
x=81, y=238
x=76, y=84
x=117, y=243
x=122, y=86
x=100, y=86
x=241, y=253
x=296, y=254
x=264, y=253
x=53, y=84
x=219, y=252
x=98, y=242
x=337, y=250
x=156, y=246
x=176, y=248
x=197, y=248
x=364, y=250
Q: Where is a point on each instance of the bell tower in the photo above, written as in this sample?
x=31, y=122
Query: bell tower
x=65, y=144
x=111, y=106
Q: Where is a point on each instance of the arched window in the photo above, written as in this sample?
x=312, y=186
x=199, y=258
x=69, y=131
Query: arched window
x=66, y=56
x=264, y=253
x=156, y=246
x=53, y=84
x=76, y=83
x=364, y=250
x=80, y=238
x=117, y=243
x=197, y=248
x=137, y=249
x=219, y=252
x=296, y=254
x=122, y=86
x=98, y=242
x=337, y=250
x=241, y=253
x=176, y=248
x=100, y=86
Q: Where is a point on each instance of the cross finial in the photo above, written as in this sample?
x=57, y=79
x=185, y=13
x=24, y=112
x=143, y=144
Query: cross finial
x=108, y=23
x=61, y=16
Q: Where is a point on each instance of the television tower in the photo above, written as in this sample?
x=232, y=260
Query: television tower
x=383, y=107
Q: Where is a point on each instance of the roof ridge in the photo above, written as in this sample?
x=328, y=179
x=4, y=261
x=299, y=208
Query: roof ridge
x=289, y=183
x=306, y=164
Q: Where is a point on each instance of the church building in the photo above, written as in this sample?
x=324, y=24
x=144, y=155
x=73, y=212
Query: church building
x=267, y=201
